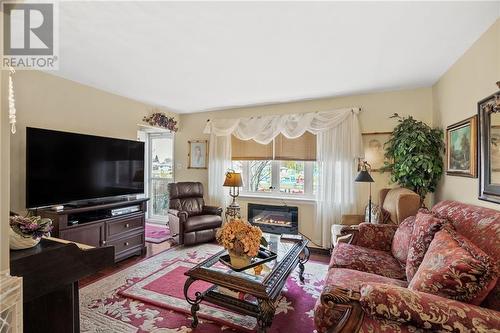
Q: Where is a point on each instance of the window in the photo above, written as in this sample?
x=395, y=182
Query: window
x=283, y=166
x=293, y=178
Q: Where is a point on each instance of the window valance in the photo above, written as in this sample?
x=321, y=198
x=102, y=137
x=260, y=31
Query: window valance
x=264, y=129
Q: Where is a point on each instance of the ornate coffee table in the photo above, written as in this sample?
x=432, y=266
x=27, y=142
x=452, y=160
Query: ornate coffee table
x=262, y=290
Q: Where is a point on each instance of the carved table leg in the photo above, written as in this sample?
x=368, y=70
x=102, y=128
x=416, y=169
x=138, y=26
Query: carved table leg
x=266, y=314
x=303, y=259
x=195, y=303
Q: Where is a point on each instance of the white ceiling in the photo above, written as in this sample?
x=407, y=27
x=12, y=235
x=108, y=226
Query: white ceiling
x=191, y=57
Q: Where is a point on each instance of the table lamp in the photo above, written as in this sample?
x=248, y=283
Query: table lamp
x=364, y=177
x=234, y=182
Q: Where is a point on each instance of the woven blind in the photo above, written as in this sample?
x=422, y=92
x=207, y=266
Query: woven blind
x=302, y=148
x=250, y=150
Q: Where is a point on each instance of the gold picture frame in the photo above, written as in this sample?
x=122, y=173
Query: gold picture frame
x=373, y=143
x=461, y=148
x=198, y=154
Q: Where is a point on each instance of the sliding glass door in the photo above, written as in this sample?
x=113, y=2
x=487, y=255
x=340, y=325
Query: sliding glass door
x=161, y=172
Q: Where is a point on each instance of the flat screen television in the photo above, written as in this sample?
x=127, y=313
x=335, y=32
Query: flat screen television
x=64, y=167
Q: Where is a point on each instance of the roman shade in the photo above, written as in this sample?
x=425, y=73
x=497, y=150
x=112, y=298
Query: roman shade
x=302, y=148
x=249, y=150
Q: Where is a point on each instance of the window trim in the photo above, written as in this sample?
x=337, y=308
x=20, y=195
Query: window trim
x=275, y=193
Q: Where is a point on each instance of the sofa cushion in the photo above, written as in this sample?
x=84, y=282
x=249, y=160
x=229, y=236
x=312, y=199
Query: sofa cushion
x=401, y=240
x=425, y=312
x=202, y=222
x=425, y=227
x=366, y=260
x=455, y=268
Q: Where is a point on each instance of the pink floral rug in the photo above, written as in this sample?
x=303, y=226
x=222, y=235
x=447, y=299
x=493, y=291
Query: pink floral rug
x=148, y=297
x=156, y=233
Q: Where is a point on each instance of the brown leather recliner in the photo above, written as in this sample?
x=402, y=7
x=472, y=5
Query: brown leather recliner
x=189, y=219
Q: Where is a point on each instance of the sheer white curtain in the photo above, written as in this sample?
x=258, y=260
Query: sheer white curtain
x=337, y=150
x=338, y=144
x=219, y=162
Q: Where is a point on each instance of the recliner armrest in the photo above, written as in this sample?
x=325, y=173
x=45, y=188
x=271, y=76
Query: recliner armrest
x=426, y=311
x=181, y=214
x=212, y=210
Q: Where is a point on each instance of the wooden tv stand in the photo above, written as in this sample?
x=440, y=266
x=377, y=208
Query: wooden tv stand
x=94, y=225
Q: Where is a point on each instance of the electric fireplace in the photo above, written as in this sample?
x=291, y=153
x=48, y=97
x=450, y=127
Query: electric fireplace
x=274, y=219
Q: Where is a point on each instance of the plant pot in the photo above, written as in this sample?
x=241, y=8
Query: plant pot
x=18, y=242
x=238, y=260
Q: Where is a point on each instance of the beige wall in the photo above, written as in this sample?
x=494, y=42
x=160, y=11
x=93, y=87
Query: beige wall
x=47, y=101
x=4, y=172
x=374, y=118
x=455, y=98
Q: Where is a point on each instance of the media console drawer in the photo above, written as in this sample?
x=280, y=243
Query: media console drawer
x=120, y=226
x=127, y=243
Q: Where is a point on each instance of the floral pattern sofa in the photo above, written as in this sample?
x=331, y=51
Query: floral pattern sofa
x=373, y=282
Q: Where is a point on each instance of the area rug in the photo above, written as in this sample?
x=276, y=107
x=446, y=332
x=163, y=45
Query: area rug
x=148, y=297
x=156, y=233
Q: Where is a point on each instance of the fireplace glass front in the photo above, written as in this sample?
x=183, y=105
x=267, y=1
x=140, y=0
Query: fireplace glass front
x=274, y=219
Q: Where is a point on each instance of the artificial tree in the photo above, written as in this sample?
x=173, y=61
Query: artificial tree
x=415, y=155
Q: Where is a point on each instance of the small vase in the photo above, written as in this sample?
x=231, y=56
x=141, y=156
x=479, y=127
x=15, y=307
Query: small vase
x=18, y=242
x=238, y=260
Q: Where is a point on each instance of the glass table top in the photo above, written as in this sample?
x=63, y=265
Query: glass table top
x=259, y=273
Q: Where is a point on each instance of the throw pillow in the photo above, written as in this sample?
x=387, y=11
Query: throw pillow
x=425, y=227
x=401, y=241
x=455, y=268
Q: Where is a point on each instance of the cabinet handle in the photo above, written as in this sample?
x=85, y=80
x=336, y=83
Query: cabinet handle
x=126, y=243
x=103, y=242
x=127, y=225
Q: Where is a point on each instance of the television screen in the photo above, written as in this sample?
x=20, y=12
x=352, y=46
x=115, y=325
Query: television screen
x=64, y=167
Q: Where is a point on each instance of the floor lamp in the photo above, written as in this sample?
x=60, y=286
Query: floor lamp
x=364, y=177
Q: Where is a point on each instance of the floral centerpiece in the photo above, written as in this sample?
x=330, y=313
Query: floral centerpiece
x=242, y=241
x=26, y=231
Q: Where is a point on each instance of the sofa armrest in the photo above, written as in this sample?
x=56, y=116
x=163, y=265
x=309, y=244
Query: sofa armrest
x=425, y=310
x=212, y=210
x=338, y=308
x=373, y=236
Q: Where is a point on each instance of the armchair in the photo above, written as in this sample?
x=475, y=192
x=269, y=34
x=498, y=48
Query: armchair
x=399, y=202
x=190, y=220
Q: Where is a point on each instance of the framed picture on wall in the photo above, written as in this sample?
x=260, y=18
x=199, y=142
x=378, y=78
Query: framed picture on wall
x=198, y=154
x=373, y=144
x=461, y=148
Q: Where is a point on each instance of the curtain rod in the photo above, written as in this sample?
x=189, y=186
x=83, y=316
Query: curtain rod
x=352, y=109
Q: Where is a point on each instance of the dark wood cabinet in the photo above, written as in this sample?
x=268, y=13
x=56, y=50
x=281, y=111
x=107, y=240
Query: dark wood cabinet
x=92, y=234
x=98, y=226
x=50, y=273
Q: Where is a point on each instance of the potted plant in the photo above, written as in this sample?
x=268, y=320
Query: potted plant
x=414, y=155
x=26, y=231
x=241, y=240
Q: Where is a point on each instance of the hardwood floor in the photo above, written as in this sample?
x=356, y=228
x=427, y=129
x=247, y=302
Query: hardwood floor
x=153, y=249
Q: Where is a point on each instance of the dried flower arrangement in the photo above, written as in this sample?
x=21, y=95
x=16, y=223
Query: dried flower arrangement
x=161, y=120
x=30, y=226
x=240, y=238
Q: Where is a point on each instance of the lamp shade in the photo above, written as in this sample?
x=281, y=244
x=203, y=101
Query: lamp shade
x=364, y=177
x=233, y=179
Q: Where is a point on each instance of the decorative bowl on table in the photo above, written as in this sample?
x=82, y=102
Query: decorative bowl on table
x=26, y=231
